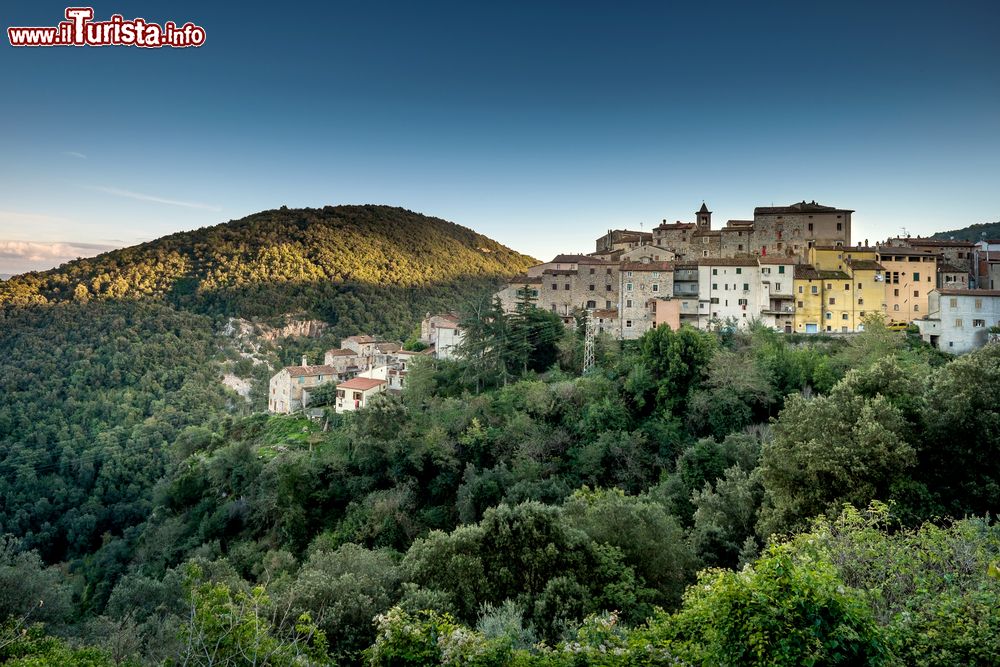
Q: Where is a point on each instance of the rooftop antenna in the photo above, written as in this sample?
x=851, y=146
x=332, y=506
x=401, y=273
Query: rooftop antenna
x=906, y=234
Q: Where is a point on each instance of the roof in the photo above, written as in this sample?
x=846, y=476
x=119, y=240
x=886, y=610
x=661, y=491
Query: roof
x=689, y=264
x=864, y=264
x=969, y=292
x=587, y=259
x=951, y=268
x=833, y=275
x=361, y=339
x=776, y=259
x=560, y=272
x=940, y=242
x=806, y=272
x=893, y=250
x=525, y=280
x=341, y=353
x=606, y=313
x=389, y=347
x=571, y=259
x=703, y=209
x=361, y=384
x=800, y=207
x=647, y=266
x=305, y=371
x=737, y=223
x=676, y=225
x=728, y=261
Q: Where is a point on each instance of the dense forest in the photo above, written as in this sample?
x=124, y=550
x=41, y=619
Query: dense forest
x=697, y=498
x=978, y=232
x=331, y=262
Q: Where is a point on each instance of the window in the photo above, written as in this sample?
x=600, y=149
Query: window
x=715, y=285
x=829, y=285
x=847, y=286
x=829, y=315
x=592, y=271
x=895, y=306
x=357, y=396
x=781, y=269
x=628, y=287
x=916, y=277
x=608, y=288
x=895, y=292
x=566, y=287
x=715, y=299
x=656, y=274
x=715, y=272
x=814, y=289
x=607, y=304
x=958, y=324
x=798, y=304
x=800, y=289
x=833, y=301
x=739, y=270
x=628, y=324
x=979, y=323
x=861, y=302
x=840, y=226
x=843, y=316
x=979, y=304
x=591, y=304
x=591, y=288
x=739, y=246
x=810, y=226
x=656, y=287
x=746, y=287
x=916, y=293
x=629, y=274
x=777, y=287
x=859, y=285
x=628, y=303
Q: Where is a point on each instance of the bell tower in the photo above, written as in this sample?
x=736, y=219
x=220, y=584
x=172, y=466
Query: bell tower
x=703, y=218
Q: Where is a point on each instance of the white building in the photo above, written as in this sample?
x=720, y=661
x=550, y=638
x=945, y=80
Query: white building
x=777, y=292
x=959, y=320
x=357, y=392
x=443, y=333
x=728, y=288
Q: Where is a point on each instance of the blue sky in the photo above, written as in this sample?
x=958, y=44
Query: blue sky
x=540, y=124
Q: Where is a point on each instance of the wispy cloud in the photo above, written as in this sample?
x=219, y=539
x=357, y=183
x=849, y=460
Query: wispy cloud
x=17, y=218
x=80, y=156
x=118, y=192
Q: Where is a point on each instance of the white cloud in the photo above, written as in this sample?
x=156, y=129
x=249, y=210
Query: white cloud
x=75, y=154
x=20, y=256
x=159, y=200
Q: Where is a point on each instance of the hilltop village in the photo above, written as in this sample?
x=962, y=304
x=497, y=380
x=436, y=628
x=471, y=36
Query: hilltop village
x=793, y=268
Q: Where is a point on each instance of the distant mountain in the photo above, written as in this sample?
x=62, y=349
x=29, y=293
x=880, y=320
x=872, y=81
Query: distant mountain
x=331, y=262
x=985, y=230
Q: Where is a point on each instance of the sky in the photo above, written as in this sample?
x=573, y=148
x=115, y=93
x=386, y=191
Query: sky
x=540, y=124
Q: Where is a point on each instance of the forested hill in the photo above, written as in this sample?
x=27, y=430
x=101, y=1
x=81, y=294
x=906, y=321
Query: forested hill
x=985, y=230
x=275, y=261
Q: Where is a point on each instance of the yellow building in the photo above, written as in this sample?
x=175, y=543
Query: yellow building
x=853, y=286
x=910, y=275
x=822, y=300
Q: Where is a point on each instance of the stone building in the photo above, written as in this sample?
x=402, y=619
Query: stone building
x=956, y=253
x=959, y=320
x=622, y=239
x=792, y=230
x=777, y=297
x=641, y=284
x=288, y=390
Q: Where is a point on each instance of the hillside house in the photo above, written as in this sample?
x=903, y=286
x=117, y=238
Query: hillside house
x=288, y=390
x=443, y=334
x=959, y=320
x=356, y=393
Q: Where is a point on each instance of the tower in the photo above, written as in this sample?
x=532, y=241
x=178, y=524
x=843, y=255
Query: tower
x=703, y=218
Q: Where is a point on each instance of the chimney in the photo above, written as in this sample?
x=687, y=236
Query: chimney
x=305, y=360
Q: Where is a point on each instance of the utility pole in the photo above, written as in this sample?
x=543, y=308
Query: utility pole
x=588, y=341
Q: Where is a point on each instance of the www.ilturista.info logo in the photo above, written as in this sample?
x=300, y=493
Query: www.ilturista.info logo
x=79, y=29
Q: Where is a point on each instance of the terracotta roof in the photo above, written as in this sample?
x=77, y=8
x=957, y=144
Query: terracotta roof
x=593, y=260
x=341, y=353
x=305, y=371
x=606, y=313
x=361, y=384
x=676, y=225
x=969, y=292
x=806, y=272
x=690, y=264
x=361, y=339
x=525, y=280
x=800, y=207
x=772, y=259
x=864, y=264
x=647, y=266
x=389, y=347
x=738, y=223
x=568, y=259
x=728, y=261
